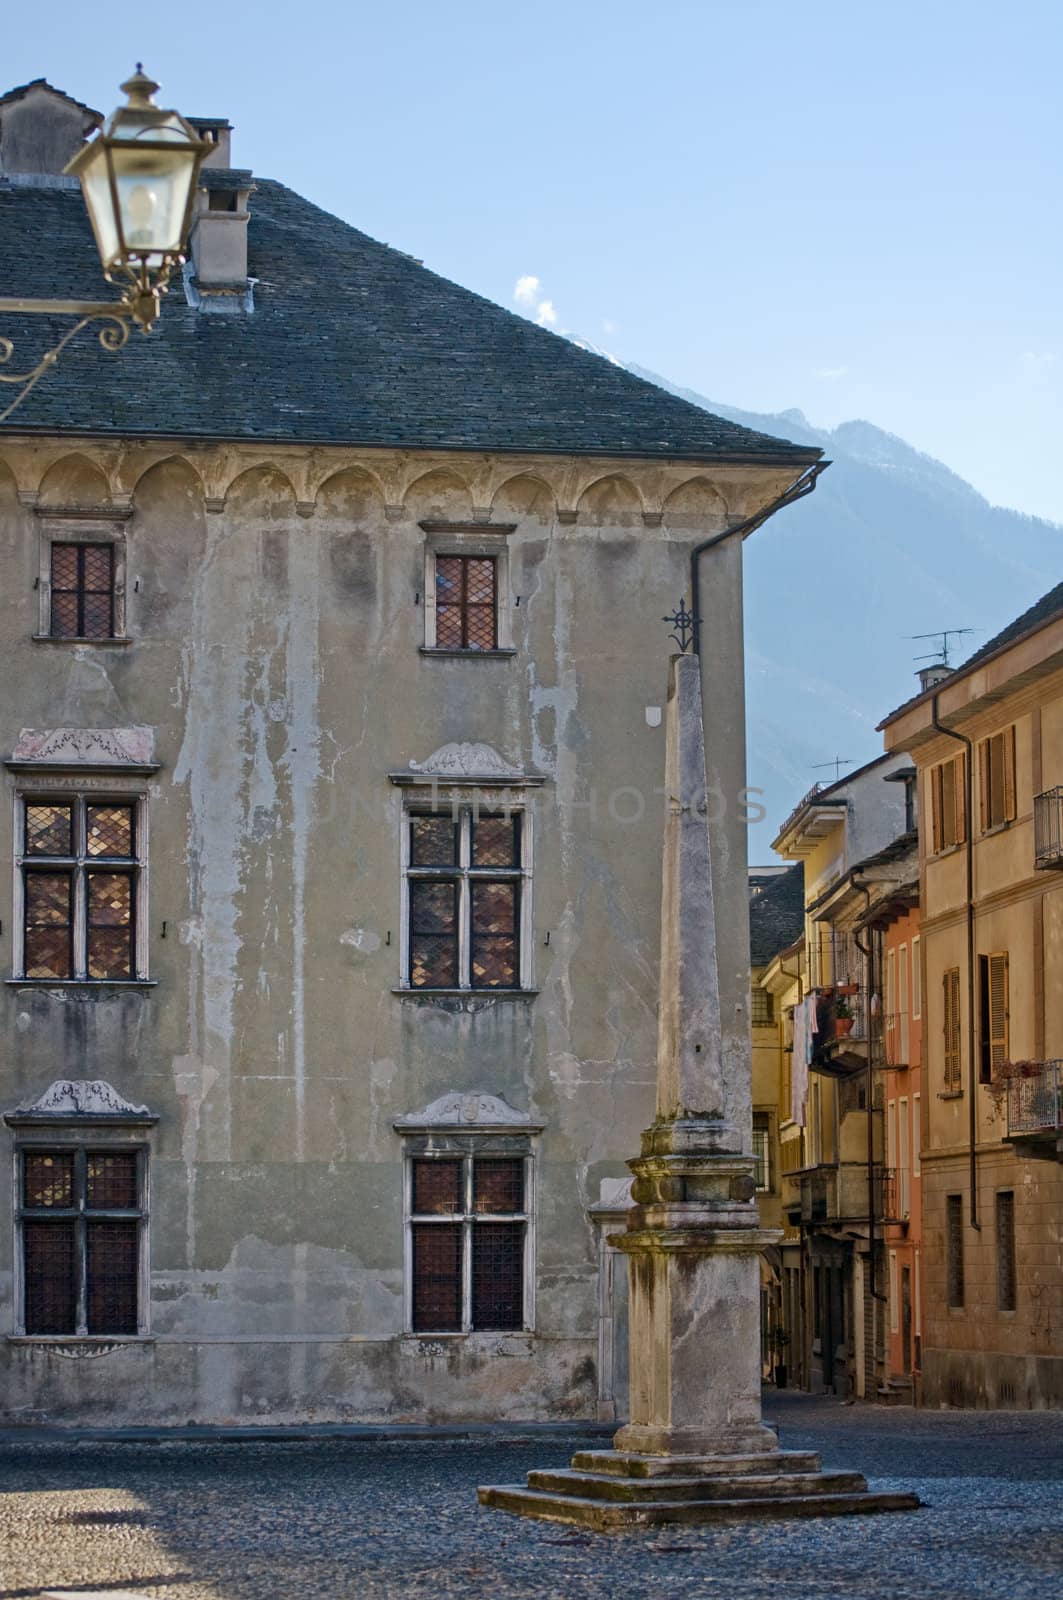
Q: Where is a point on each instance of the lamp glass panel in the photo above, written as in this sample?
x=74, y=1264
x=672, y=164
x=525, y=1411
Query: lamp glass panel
x=153, y=187
x=96, y=188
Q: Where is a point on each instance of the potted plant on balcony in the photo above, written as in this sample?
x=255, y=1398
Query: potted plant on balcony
x=843, y=1018
x=1007, y=1072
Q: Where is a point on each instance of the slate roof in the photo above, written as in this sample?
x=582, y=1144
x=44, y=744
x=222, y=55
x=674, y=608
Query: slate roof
x=777, y=916
x=1036, y=616
x=23, y=89
x=350, y=342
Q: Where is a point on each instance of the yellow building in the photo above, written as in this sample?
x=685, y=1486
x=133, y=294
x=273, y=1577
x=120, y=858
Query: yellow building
x=826, y=1309
x=987, y=740
x=776, y=918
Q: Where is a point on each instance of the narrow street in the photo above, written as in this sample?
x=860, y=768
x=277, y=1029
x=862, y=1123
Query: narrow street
x=338, y=1517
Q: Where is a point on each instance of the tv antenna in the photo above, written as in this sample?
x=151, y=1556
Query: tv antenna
x=941, y=654
x=837, y=762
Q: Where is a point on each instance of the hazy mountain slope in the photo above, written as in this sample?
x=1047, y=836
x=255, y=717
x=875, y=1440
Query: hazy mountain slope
x=891, y=543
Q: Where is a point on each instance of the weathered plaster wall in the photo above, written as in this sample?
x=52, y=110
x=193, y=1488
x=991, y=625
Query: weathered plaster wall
x=275, y=617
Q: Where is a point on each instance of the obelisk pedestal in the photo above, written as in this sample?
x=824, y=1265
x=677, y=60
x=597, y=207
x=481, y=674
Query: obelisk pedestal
x=695, y=1449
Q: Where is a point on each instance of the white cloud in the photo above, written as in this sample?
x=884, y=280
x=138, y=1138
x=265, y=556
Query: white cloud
x=526, y=290
x=528, y=294
x=1037, y=360
x=830, y=372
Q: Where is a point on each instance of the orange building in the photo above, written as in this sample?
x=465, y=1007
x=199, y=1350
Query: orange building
x=900, y=1034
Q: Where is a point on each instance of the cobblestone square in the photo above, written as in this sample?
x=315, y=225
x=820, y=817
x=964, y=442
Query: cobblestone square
x=347, y=1517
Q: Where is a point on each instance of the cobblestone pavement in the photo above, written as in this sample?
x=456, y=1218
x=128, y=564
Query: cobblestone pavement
x=338, y=1518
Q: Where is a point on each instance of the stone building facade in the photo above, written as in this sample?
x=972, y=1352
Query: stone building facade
x=331, y=619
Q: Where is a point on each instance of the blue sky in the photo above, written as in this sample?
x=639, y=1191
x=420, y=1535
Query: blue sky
x=853, y=208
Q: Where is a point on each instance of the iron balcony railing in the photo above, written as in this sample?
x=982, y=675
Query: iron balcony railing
x=1048, y=828
x=890, y=1198
x=1035, y=1103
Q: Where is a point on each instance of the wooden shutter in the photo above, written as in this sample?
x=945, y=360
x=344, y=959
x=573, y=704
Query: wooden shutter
x=985, y=795
x=937, y=839
x=1008, y=740
x=998, y=1010
x=951, y=999
x=959, y=794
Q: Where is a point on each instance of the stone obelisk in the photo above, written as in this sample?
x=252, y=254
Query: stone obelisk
x=694, y=1233
x=695, y=1449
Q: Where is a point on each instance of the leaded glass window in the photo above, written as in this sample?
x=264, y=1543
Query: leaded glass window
x=466, y=603
x=82, y=591
x=465, y=876
x=80, y=864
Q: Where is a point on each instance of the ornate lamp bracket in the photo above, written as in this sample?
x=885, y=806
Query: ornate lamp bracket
x=117, y=318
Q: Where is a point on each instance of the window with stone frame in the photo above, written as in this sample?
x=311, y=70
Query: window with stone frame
x=82, y=590
x=79, y=866
x=468, y=1241
x=464, y=882
x=80, y=1219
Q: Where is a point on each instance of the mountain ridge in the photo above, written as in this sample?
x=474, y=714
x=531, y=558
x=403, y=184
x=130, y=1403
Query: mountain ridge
x=892, y=544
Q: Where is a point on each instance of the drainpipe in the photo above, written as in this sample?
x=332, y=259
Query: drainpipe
x=800, y=1333
x=797, y=491
x=972, y=1110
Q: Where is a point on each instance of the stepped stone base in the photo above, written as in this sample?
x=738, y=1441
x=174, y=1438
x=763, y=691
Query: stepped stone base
x=610, y=1489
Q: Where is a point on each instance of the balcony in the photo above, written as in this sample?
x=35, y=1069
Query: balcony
x=1035, y=1108
x=842, y=1031
x=1048, y=829
x=838, y=1194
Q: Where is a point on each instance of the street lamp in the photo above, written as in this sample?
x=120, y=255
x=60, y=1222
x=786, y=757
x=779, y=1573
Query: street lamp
x=138, y=178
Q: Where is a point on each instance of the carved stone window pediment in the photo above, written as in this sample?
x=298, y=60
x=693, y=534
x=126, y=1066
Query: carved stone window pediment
x=80, y=1100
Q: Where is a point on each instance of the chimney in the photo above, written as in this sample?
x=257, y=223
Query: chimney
x=216, y=280
x=932, y=675
x=40, y=129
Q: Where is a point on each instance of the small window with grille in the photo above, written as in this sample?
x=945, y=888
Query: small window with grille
x=1006, y=1276
x=954, y=1251
x=762, y=1171
x=79, y=880
x=80, y=1219
x=466, y=877
x=466, y=590
x=466, y=602
x=468, y=1242
x=763, y=1007
x=82, y=587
